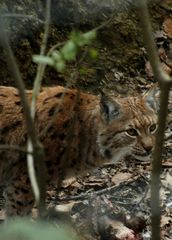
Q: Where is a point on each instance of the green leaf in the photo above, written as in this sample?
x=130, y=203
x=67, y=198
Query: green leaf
x=89, y=36
x=69, y=50
x=25, y=230
x=60, y=66
x=43, y=60
x=93, y=53
x=56, y=55
x=81, y=39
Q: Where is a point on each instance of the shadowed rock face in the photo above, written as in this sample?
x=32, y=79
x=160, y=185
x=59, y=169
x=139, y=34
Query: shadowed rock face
x=26, y=31
x=67, y=12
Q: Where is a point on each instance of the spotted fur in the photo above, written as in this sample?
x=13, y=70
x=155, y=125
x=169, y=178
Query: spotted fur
x=79, y=132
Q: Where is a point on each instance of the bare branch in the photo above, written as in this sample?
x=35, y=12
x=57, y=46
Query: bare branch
x=17, y=15
x=14, y=147
x=165, y=82
x=36, y=147
x=18, y=80
x=41, y=67
x=39, y=188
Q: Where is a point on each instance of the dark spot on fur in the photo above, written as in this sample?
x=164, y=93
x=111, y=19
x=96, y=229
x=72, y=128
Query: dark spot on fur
x=13, y=206
x=88, y=101
x=9, y=195
x=108, y=154
x=27, y=181
x=72, y=96
x=73, y=163
x=48, y=163
x=36, y=115
x=61, y=153
x=1, y=108
x=2, y=95
x=16, y=192
x=109, y=138
x=66, y=124
x=46, y=150
x=105, y=143
x=102, y=134
x=11, y=127
x=24, y=190
x=94, y=154
x=46, y=99
x=51, y=129
x=75, y=150
x=24, y=137
x=51, y=112
x=18, y=103
x=51, y=171
x=60, y=110
x=53, y=136
x=31, y=202
x=19, y=203
x=62, y=136
x=2, y=141
x=59, y=95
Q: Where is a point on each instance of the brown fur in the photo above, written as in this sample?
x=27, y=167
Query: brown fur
x=79, y=132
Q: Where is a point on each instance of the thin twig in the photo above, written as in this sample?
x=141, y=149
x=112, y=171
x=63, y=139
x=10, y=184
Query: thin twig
x=14, y=147
x=39, y=182
x=41, y=67
x=4, y=41
x=18, y=15
x=54, y=47
x=165, y=82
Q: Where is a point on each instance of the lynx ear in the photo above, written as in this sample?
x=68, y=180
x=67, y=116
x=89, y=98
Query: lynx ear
x=109, y=108
x=151, y=98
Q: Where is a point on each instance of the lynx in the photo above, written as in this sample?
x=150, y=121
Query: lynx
x=79, y=132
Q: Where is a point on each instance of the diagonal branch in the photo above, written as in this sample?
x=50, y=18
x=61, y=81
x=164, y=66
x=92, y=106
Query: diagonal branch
x=37, y=147
x=165, y=82
x=4, y=42
x=39, y=182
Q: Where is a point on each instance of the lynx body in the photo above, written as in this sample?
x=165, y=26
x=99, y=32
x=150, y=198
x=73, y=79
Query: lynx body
x=79, y=132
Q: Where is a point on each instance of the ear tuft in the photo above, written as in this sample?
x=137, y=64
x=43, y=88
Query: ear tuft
x=109, y=108
x=151, y=98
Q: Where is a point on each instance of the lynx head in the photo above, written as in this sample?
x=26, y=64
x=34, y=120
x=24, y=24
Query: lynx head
x=127, y=127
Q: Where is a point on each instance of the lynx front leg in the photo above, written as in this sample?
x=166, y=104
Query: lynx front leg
x=19, y=198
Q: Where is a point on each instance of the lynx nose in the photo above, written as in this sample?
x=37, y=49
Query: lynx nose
x=148, y=149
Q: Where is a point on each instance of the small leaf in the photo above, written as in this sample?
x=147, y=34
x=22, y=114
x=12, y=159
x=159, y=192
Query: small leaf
x=83, y=39
x=69, y=50
x=93, y=53
x=43, y=60
x=60, y=66
x=89, y=36
x=56, y=55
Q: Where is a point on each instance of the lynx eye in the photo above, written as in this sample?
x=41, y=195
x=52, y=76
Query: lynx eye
x=132, y=132
x=152, y=128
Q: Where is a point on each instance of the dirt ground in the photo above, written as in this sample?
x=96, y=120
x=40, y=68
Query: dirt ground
x=121, y=191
